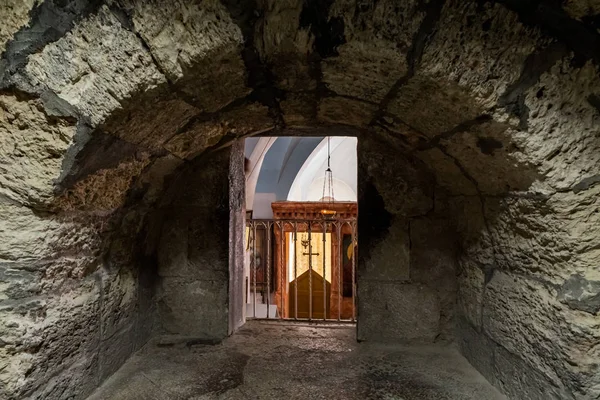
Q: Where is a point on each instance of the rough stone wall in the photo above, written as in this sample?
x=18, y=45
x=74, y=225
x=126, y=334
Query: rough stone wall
x=193, y=252
x=73, y=313
x=16, y=15
x=512, y=305
x=71, y=306
x=527, y=269
x=497, y=99
x=407, y=252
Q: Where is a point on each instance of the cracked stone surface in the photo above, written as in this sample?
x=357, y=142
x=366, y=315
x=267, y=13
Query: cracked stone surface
x=32, y=145
x=276, y=360
x=16, y=16
x=481, y=60
x=95, y=66
x=178, y=34
x=478, y=126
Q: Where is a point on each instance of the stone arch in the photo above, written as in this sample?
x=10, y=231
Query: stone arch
x=489, y=109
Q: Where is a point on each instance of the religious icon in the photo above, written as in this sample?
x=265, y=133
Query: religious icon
x=348, y=247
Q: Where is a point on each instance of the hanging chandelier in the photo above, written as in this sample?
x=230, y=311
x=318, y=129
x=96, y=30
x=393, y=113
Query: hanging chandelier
x=328, y=199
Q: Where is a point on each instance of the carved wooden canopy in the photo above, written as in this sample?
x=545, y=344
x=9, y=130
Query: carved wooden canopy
x=311, y=210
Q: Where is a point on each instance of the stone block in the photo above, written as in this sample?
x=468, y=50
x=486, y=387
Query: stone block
x=448, y=174
x=469, y=49
x=524, y=317
x=180, y=33
x=194, y=307
x=249, y=118
x=470, y=223
x=193, y=142
x=194, y=244
x=396, y=312
x=471, y=283
x=432, y=251
x=16, y=282
x=16, y=14
x=32, y=146
x=299, y=109
x=172, y=250
x=487, y=155
x=150, y=119
x=476, y=347
x=518, y=380
x=285, y=45
x=155, y=177
x=581, y=294
x=95, y=66
x=405, y=184
x=433, y=107
x=518, y=313
x=119, y=303
x=542, y=238
x=30, y=238
x=580, y=9
x=385, y=20
x=390, y=257
x=197, y=45
x=340, y=110
x=54, y=346
x=76, y=381
x=433, y=263
x=365, y=71
x=507, y=371
x=190, y=188
x=116, y=348
x=562, y=126
x=293, y=71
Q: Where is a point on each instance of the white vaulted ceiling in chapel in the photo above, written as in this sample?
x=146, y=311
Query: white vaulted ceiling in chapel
x=308, y=184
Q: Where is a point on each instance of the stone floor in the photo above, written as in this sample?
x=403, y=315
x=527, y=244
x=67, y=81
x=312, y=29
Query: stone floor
x=267, y=360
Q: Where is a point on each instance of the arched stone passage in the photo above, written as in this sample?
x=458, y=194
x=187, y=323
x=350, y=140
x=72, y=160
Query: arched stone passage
x=478, y=131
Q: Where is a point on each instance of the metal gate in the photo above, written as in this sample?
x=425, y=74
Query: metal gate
x=301, y=269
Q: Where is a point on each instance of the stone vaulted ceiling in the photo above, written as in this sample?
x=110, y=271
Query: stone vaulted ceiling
x=500, y=100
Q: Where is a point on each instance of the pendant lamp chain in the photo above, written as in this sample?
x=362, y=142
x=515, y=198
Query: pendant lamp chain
x=328, y=181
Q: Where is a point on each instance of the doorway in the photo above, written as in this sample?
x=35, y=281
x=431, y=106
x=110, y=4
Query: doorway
x=301, y=234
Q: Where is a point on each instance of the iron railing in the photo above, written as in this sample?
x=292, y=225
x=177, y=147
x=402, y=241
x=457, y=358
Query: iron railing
x=285, y=281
